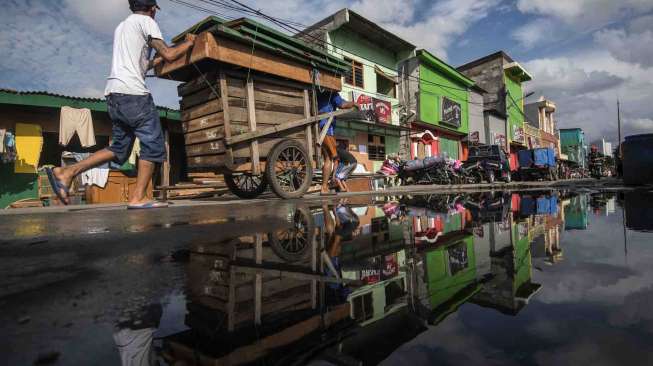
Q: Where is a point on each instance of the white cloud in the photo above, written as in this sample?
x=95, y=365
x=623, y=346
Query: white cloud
x=401, y=11
x=534, y=32
x=102, y=16
x=565, y=20
x=585, y=86
x=585, y=12
x=641, y=24
x=443, y=22
x=565, y=76
x=634, y=48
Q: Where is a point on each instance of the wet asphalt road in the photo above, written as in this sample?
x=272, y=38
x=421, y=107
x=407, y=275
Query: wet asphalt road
x=58, y=264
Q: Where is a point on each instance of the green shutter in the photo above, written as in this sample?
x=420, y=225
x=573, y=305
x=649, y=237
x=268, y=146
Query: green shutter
x=450, y=147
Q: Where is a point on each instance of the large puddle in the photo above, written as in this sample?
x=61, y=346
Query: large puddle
x=542, y=278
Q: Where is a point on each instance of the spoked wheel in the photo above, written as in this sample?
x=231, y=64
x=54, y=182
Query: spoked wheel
x=294, y=244
x=289, y=169
x=246, y=185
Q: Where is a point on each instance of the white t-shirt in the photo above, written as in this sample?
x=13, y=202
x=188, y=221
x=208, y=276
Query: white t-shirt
x=131, y=55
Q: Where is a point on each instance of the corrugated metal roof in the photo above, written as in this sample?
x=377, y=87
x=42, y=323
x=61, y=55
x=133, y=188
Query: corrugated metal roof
x=53, y=100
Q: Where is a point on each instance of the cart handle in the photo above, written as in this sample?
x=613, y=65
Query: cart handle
x=282, y=127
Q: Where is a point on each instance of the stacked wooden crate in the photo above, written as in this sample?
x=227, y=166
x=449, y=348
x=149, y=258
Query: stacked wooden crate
x=245, y=295
x=252, y=102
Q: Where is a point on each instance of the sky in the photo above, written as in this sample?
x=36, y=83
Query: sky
x=583, y=54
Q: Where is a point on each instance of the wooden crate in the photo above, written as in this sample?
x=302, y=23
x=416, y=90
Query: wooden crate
x=219, y=105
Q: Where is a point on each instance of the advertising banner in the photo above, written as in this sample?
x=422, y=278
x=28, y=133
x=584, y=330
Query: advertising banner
x=451, y=112
x=372, y=109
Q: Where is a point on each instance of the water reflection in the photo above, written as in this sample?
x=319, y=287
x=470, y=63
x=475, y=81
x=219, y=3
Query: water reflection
x=495, y=277
x=347, y=269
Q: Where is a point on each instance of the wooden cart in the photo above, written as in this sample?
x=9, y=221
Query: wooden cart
x=248, y=109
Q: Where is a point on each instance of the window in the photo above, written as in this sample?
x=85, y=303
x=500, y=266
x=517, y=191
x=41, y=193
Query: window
x=376, y=147
x=385, y=86
x=355, y=75
x=363, y=309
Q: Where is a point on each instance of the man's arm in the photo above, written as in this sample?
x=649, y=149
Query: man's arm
x=348, y=105
x=170, y=54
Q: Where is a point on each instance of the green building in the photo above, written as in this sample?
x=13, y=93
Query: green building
x=510, y=287
x=374, y=54
x=502, y=79
x=572, y=143
x=436, y=97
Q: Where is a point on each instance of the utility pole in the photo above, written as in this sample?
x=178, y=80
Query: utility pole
x=619, y=128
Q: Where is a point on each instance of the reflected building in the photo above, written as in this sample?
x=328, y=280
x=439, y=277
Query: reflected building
x=509, y=287
x=379, y=275
x=576, y=213
x=544, y=227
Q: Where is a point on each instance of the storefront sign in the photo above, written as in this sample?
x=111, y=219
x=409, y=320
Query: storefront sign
x=451, y=112
x=373, y=110
x=518, y=134
x=391, y=267
x=474, y=137
x=371, y=271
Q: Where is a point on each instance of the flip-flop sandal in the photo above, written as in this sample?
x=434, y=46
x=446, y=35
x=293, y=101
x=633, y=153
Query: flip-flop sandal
x=147, y=206
x=57, y=186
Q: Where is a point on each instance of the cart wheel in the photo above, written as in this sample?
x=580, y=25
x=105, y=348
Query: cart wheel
x=289, y=169
x=294, y=244
x=246, y=185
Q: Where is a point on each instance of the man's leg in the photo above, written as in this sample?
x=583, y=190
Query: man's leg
x=66, y=174
x=150, y=134
x=145, y=171
x=326, y=172
x=330, y=155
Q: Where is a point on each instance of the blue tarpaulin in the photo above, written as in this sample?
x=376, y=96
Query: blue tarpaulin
x=527, y=206
x=525, y=158
x=540, y=157
x=551, y=154
x=553, y=205
x=543, y=205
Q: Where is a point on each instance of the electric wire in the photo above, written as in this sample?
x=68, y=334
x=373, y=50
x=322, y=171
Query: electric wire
x=292, y=29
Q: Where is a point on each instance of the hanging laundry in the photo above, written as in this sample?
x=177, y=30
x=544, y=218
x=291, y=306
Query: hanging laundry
x=29, y=143
x=3, y=132
x=76, y=120
x=9, y=155
x=96, y=176
x=136, y=151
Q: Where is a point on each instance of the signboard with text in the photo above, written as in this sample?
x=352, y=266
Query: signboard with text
x=451, y=112
x=518, y=134
x=373, y=109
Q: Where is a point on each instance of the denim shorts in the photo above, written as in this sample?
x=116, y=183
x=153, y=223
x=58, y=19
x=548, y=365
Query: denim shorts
x=344, y=171
x=135, y=116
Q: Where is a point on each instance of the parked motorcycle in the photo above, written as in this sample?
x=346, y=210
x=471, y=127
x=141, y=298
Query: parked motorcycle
x=422, y=171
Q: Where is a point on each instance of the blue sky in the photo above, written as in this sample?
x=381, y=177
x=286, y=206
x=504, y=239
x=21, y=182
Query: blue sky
x=583, y=54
